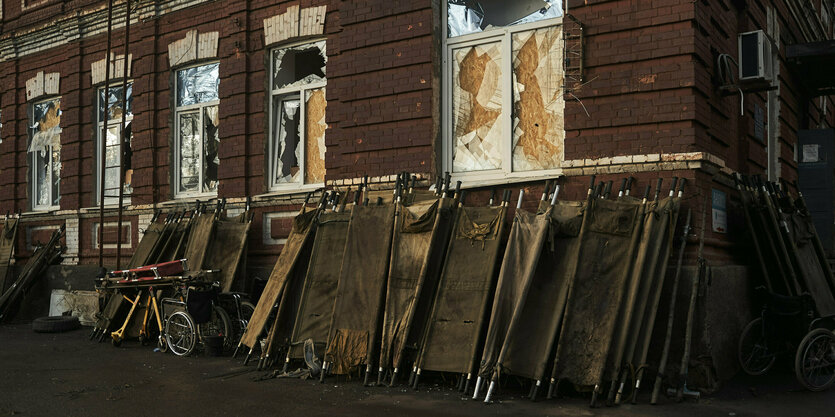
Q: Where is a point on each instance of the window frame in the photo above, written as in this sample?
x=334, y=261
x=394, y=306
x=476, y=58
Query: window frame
x=280, y=93
x=503, y=35
x=99, y=126
x=199, y=108
x=32, y=163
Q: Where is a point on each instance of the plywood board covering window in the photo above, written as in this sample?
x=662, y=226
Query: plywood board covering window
x=538, y=104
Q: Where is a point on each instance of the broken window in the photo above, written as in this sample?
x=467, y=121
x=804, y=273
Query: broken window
x=197, y=140
x=114, y=161
x=504, y=90
x=45, y=153
x=470, y=16
x=296, y=149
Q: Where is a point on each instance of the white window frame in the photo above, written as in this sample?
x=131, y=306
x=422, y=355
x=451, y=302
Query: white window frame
x=30, y=157
x=278, y=93
x=503, y=35
x=99, y=141
x=191, y=108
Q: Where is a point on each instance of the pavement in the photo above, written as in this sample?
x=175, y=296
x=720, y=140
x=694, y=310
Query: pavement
x=65, y=374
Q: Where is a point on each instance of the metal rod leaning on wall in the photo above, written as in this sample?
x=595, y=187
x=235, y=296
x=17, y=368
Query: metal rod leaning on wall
x=691, y=314
x=123, y=130
x=103, y=138
x=774, y=252
x=665, y=353
x=783, y=248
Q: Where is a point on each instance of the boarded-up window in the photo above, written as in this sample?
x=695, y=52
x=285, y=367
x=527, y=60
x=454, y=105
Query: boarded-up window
x=45, y=153
x=503, y=86
x=538, y=104
x=197, y=139
x=296, y=149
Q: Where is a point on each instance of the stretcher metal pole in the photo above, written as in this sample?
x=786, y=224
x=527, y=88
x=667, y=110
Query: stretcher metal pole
x=656, y=389
x=103, y=137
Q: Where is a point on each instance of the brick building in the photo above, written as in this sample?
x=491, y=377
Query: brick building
x=272, y=99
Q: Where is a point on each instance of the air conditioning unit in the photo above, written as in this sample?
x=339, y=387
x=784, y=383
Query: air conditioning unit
x=754, y=56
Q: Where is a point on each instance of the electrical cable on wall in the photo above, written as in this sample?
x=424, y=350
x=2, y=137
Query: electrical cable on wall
x=725, y=75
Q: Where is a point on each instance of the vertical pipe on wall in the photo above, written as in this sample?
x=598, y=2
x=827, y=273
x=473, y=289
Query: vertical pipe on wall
x=103, y=138
x=125, y=64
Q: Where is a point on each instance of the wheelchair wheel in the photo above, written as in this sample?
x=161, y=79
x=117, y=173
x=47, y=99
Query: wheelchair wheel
x=180, y=333
x=814, y=363
x=247, y=309
x=218, y=325
x=753, y=352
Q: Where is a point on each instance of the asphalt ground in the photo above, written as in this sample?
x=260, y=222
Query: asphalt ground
x=65, y=374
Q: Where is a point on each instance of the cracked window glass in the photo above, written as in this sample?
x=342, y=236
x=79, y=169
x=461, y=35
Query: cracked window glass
x=471, y=16
x=45, y=153
x=538, y=103
x=286, y=118
x=198, y=84
x=210, y=148
x=299, y=65
x=297, y=115
x=190, y=149
x=477, y=107
x=114, y=103
x=113, y=160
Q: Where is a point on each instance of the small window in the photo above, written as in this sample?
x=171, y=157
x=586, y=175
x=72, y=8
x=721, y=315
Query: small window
x=45, y=153
x=196, y=131
x=296, y=147
x=113, y=158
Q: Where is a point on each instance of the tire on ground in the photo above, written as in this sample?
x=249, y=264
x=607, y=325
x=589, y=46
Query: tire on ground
x=55, y=324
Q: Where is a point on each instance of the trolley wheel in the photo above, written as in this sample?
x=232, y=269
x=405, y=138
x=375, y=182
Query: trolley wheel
x=814, y=363
x=116, y=341
x=143, y=340
x=219, y=324
x=161, y=344
x=180, y=333
x=753, y=353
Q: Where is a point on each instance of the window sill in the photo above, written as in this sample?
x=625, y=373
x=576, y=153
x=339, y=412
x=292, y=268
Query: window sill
x=281, y=192
x=189, y=199
x=42, y=211
x=480, y=180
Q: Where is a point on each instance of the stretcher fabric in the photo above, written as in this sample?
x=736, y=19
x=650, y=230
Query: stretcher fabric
x=358, y=306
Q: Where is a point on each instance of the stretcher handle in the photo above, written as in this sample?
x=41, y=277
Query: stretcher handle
x=438, y=183
x=646, y=192
x=554, y=197
x=608, y=189
x=447, y=179
x=545, y=191
x=492, y=197
x=681, y=185
x=461, y=197
x=357, y=195
x=622, y=188
x=505, y=197
x=629, y=185
x=598, y=189
x=657, y=189
x=519, y=201
x=306, y=198
x=591, y=184
x=673, y=187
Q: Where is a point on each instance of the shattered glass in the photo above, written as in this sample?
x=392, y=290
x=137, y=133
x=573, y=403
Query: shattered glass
x=314, y=156
x=198, y=84
x=470, y=16
x=45, y=151
x=477, y=107
x=46, y=126
x=210, y=149
x=190, y=150
x=538, y=103
x=114, y=103
x=286, y=150
x=299, y=65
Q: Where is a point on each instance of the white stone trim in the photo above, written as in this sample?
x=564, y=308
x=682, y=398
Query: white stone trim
x=95, y=228
x=43, y=85
x=294, y=23
x=266, y=235
x=70, y=256
x=195, y=46
x=117, y=68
